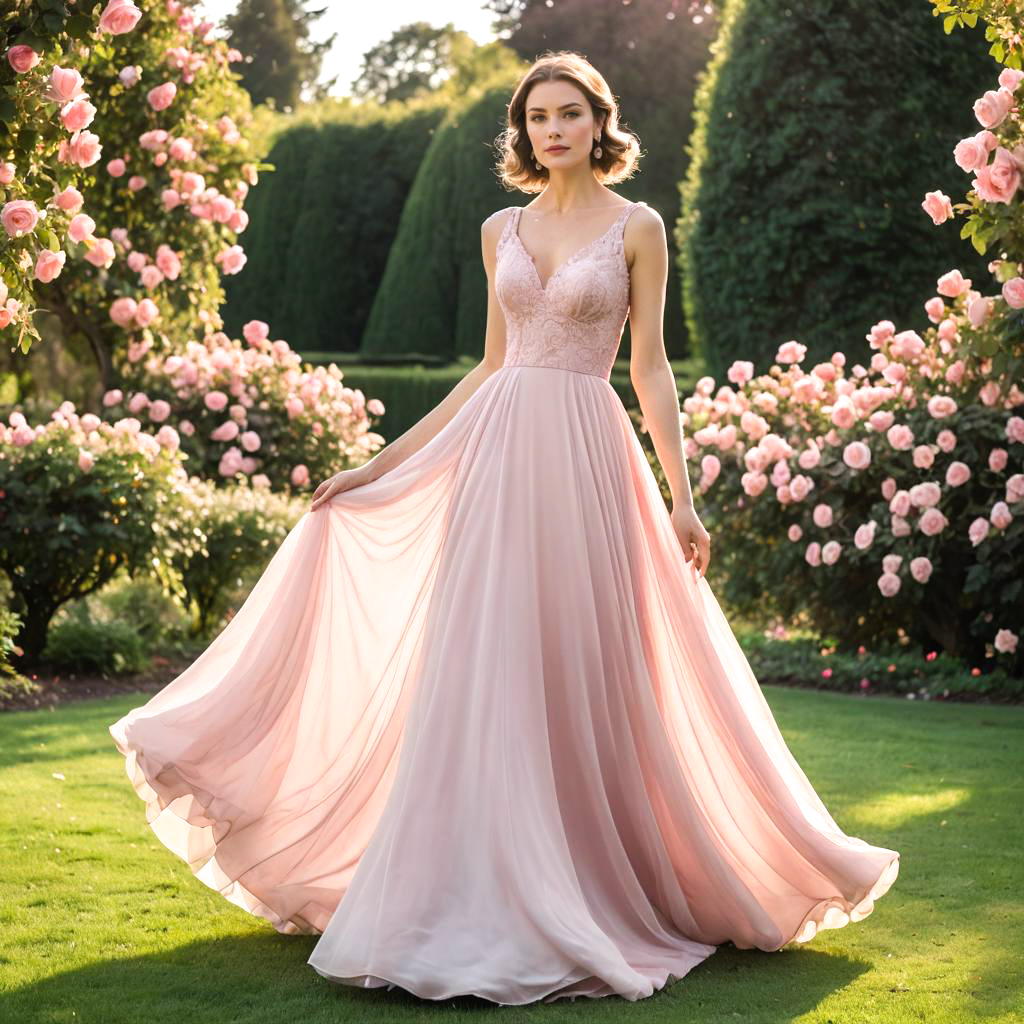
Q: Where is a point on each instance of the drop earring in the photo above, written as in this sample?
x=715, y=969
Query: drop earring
x=536, y=162
x=597, y=150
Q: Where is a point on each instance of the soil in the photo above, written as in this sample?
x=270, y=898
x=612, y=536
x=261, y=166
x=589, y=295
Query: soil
x=59, y=689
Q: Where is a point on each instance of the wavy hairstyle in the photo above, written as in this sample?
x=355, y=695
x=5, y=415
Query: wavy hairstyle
x=620, y=149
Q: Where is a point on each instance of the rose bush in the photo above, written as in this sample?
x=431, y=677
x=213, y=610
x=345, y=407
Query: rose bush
x=248, y=408
x=78, y=501
x=135, y=190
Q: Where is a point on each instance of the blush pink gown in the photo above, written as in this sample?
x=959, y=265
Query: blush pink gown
x=481, y=727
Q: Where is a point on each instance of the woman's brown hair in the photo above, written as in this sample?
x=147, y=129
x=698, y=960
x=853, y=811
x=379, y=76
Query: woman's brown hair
x=620, y=149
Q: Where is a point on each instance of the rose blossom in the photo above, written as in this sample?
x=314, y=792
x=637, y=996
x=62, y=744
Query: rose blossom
x=65, y=85
x=889, y=584
x=864, y=536
x=1000, y=515
x=932, y=521
x=122, y=311
x=921, y=569
x=1005, y=642
x=978, y=530
x=812, y=555
x=1013, y=292
x=938, y=206
x=49, y=265
x=830, y=552
x=83, y=149
x=300, y=475
x=116, y=167
x=160, y=97
x=997, y=182
x=146, y=312
x=958, y=474
x=857, y=455
x=997, y=460
x=22, y=58
x=952, y=284
x=118, y=17
x=822, y=515
x=81, y=227
x=100, y=252
x=19, y=217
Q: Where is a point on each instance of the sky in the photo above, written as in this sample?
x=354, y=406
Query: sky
x=360, y=26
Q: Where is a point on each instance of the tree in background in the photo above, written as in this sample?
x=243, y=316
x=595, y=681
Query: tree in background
x=412, y=61
x=627, y=43
x=817, y=131
x=282, y=63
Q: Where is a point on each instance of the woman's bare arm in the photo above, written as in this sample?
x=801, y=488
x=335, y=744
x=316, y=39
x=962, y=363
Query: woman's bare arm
x=652, y=377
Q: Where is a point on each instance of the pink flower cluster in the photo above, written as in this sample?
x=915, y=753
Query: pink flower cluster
x=255, y=401
x=791, y=434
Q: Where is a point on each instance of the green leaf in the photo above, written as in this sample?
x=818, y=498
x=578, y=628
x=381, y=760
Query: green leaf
x=8, y=111
x=54, y=22
x=997, y=52
x=979, y=242
x=969, y=228
x=50, y=241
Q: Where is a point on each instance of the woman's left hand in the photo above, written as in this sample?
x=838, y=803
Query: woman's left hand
x=695, y=540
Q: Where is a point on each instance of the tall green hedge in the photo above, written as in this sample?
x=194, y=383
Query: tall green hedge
x=820, y=126
x=322, y=223
x=433, y=295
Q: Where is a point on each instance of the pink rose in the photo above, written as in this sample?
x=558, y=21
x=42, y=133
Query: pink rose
x=122, y=311
x=938, y=206
x=170, y=198
x=1005, y=642
x=137, y=403
x=899, y=503
x=215, y=401
x=923, y=456
x=888, y=488
x=857, y=455
x=1015, y=488
x=970, y=154
x=22, y=58
x=822, y=515
x=997, y=459
x=952, y=284
x=812, y=555
x=100, y=252
x=1000, y=516
x=998, y=181
x=889, y=584
x=49, y=265
x=794, y=533
x=978, y=310
x=978, y=530
x=958, y=474
x=989, y=393
x=160, y=97
x=830, y=552
x=167, y=437
x=7, y=173
x=70, y=199
x=150, y=276
x=65, y=85
x=250, y=440
x=946, y=440
x=864, y=536
x=118, y=17
x=925, y=495
x=85, y=460
x=1013, y=292
x=238, y=221
x=81, y=227
x=19, y=217
x=116, y=167
x=112, y=397
x=955, y=372
x=231, y=259
x=255, y=331
x=300, y=475
x=136, y=182
x=991, y=108
x=129, y=75
x=790, y=352
x=83, y=149
x=146, y=312
x=921, y=569
x=1015, y=429
x=168, y=262
x=227, y=431
x=77, y=114
x=740, y=372
x=935, y=308
x=901, y=437
x=932, y=521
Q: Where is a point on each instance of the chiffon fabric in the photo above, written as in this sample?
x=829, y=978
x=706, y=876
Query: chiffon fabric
x=481, y=727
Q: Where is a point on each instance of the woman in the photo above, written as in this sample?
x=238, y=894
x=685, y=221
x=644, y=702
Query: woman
x=481, y=723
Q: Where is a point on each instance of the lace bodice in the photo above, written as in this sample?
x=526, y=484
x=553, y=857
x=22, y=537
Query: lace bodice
x=574, y=321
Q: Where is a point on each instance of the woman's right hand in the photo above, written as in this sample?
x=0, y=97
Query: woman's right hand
x=343, y=481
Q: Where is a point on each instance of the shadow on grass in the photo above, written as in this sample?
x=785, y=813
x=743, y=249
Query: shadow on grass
x=266, y=978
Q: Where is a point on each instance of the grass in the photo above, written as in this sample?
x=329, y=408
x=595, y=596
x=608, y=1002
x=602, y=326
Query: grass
x=100, y=923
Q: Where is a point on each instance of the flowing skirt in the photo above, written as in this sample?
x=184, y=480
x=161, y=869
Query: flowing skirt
x=483, y=729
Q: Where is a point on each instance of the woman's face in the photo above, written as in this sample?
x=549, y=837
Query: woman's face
x=558, y=113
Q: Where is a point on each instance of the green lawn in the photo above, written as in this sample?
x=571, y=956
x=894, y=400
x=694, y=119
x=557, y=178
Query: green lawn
x=100, y=923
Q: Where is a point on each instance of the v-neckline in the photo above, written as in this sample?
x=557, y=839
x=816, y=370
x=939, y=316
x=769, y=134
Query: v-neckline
x=543, y=286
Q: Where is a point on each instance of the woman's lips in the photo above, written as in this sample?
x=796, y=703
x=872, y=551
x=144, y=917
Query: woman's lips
x=557, y=149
